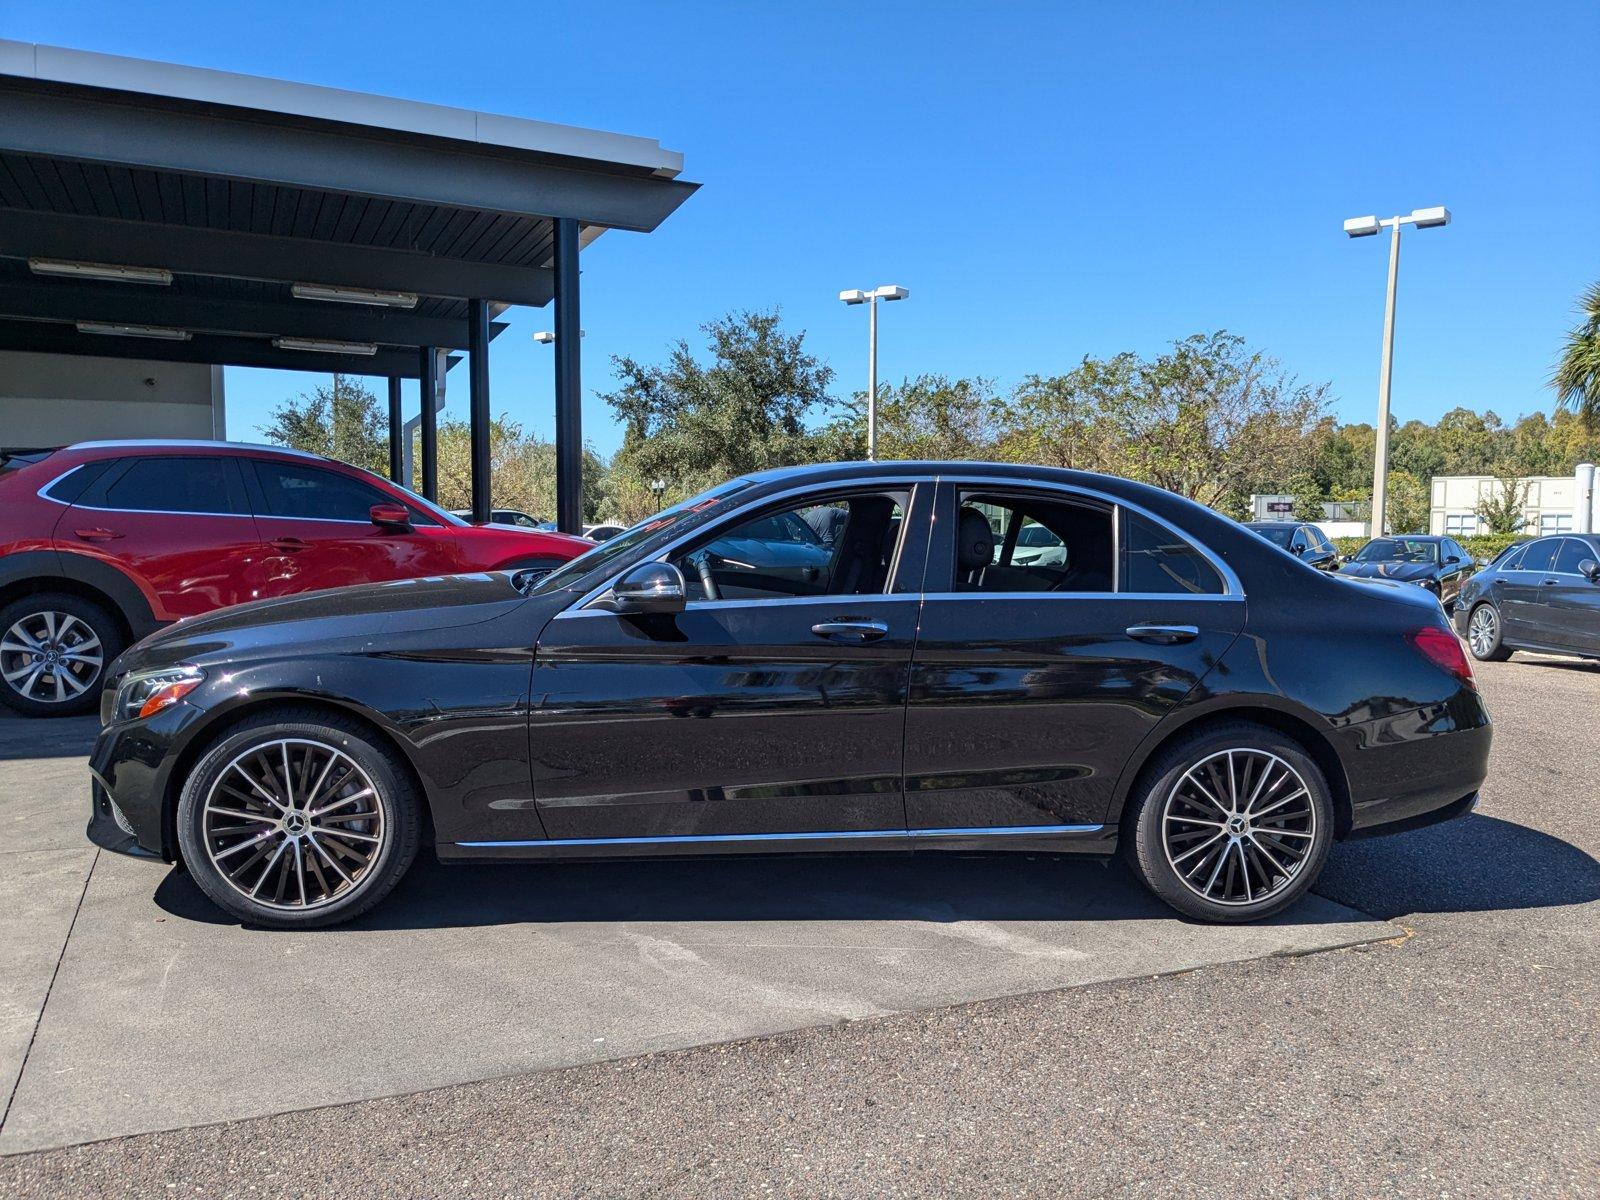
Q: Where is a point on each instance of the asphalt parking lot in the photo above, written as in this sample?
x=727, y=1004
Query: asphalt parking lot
x=1425, y=1025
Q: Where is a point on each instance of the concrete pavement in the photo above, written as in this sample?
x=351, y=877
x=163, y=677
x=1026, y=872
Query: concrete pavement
x=154, y=1012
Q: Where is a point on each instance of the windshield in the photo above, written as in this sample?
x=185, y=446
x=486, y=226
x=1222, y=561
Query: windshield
x=1399, y=550
x=1278, y=535
x=680, y=517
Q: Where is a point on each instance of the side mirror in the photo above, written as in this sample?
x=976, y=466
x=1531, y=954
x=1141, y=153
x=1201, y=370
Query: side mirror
x=652, y=587
x=1590, y=570
x=1452, y=558
x=390, y=516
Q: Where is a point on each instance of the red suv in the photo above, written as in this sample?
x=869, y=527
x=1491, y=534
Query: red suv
x=104, y=541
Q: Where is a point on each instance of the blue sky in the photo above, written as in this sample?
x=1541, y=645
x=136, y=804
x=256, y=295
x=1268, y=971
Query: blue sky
x=1049, y=180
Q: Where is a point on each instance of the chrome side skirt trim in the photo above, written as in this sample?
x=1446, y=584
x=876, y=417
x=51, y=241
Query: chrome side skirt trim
x=691, y=839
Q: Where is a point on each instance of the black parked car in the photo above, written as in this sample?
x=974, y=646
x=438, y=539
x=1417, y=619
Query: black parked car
x=1306, y=542
x=928, y=690
x=1438, y=564
x=1541, y=595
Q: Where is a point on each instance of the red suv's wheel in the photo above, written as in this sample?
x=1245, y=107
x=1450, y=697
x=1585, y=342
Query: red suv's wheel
x=54, y=649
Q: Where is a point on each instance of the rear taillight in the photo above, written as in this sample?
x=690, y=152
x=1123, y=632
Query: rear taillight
x=1443, y=649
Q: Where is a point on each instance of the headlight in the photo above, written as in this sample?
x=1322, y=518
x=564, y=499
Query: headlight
x=145, y=693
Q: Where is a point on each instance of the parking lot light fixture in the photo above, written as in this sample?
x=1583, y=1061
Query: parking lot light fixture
x=1422, y=218
x=888, y=291
x=545, y=337
x=322, y=346
x=160, y=332
x=353, y=295
x=109, y=272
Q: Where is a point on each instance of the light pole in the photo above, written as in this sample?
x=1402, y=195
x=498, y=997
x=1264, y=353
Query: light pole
x=658, y=489
x=856, y=296
x=1422, y=218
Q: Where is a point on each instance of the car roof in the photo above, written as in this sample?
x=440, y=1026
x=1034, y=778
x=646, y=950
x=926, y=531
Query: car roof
x=199, y=444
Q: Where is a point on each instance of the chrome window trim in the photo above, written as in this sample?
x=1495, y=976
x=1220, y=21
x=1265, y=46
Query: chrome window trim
x=1230, y=580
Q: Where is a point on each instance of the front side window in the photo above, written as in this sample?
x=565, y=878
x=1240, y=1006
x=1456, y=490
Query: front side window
x=843, y=546
x=310, y=493
x=1159, y=562
x=186, y=484
x=1031, y=544
x=1572, y=553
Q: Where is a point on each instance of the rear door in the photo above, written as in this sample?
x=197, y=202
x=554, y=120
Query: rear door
x=178, y=524
x=1524, y=607
x=1032, y=684
x=318, y=532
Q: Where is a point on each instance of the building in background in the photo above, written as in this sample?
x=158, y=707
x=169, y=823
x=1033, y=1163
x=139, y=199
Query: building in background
x=1550, y=506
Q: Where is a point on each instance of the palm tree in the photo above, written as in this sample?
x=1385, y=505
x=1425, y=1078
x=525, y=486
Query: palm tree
x=1577, y=377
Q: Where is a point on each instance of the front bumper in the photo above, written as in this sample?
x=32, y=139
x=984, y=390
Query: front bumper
x=131, y=767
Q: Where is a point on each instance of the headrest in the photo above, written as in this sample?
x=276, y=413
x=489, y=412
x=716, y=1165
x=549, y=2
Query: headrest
x=974, y=541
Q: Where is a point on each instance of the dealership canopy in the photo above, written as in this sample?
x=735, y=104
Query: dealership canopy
x=179, y=214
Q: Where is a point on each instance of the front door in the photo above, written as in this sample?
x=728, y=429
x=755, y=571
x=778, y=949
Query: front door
x=1573, y=599
x=1034, y=681
x=318, y=532
x=774, y=704
x=1524, y=598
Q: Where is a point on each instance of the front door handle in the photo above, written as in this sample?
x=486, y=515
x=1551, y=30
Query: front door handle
x=1163, y=635
x=850, y=631
x=98, y=535
x=287, y=544
x=1548, y=582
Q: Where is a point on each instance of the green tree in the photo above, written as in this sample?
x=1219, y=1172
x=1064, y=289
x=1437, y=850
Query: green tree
x=692, y=423
x=1212, y=417
x=342, y=420
x=1502, y=509
x=1577, y=377
x=1407, y=503
x=522, y=470
x=1307, y=495
x=934, y=417
x=1060, y=420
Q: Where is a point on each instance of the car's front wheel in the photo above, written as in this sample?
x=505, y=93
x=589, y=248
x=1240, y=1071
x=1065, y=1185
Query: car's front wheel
x=1232, y=824
x=296, y=819
x=54, y=648
x=1484, y=634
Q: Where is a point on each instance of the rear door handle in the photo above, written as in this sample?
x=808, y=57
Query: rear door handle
x=850, y=631
x=1163, y=635
x=287, y=544
x=98, y=535
x=1548, y=582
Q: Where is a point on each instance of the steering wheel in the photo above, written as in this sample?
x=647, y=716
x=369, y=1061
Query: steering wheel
x=708, y=582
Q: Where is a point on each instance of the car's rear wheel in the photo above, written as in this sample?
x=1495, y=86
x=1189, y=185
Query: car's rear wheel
x=1233, y=824
x=1484, y=634
x=54, y=648
x=298, y=819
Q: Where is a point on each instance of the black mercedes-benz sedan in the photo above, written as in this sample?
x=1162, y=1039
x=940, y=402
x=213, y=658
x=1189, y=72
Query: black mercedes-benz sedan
x=1301, y=539
x=1164, y=683
x=1439, y=564
x=1541, y=595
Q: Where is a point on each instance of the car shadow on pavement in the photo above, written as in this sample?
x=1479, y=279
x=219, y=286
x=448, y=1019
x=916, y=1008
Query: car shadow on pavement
x=859, y=887
x=1476, y=864
x=45, y=737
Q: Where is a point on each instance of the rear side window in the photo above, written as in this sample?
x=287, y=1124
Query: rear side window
x=290, y=490
x=76, y=482
x=1007, y=543
x=1572, y=553
x=186, y=484
x=1159, y=562
x=1539, y=556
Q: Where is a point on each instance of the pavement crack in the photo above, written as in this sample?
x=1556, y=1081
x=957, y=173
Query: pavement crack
x=22, y=1067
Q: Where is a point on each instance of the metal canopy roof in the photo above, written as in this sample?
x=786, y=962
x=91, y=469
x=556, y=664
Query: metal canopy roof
x=242, y=186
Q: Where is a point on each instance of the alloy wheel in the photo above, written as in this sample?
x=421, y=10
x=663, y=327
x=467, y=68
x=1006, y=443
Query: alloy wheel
x=1483, y=631
x=50, y=657
x=293, y=824
x=1238, y=826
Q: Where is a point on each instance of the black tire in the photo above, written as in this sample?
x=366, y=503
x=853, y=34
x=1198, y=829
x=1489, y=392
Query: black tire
x=1485, y=644
x=1165, y=825
x=64, y=625
x=297, y=735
